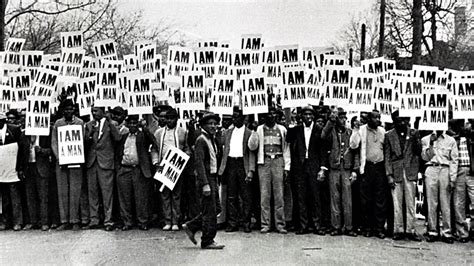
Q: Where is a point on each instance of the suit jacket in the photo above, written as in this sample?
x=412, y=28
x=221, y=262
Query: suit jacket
x=12, y=135
x=317, y=150
x=248, y=156
x=143, y=141
x=398, y=158
x=256, y=143
x=43, y=158
x=358, y=140
x=331, y=139
x=101, y=149
x=181, y=135
x=202, y=159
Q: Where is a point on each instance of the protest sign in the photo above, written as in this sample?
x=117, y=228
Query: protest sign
x=313, y=57
x=20, y=83
x=105, y=49
x=251, y=42
x=377, y=65
x=70, y=145
x=191, y=100
x=435, y=110
x=37, y=115
x=179, y=59
x=411, y=96
x=44, y=83
x=385, y=100
x=11, y=58
x=204, y=59
x=293, y=93
x=130, y=62
x=5, y=98
x=173, y=164
x=71, y=64
x=89, y=67
x=254, y=94
x=141, y=44
x=361, y=92
x=241, y=62
x=336, y=85
x=139, y=95
x=86, y=95
x=271, y=65
x=71, y=40
x=334, y=60
x=433, y=78
x=222, y=97
x=222, y=61
x=31, y=61
x=8, y=155
x=314, y=89
x=107, y=88
x=462, y=98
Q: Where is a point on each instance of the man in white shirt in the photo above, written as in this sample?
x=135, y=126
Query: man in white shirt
x=237, y=169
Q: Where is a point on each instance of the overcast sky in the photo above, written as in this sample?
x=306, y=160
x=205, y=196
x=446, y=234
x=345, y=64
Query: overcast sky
x=304, y=22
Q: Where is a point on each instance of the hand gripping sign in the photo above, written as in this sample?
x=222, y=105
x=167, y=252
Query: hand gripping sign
x=171, y=168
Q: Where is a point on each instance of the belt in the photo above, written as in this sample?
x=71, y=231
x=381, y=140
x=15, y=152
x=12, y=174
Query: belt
x=236, y=158
x=273, y=156
x=372, y=163
x=437, y=164
x=129, y=166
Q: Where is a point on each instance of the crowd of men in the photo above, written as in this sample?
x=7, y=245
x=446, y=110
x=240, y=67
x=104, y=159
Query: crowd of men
x=309, y=172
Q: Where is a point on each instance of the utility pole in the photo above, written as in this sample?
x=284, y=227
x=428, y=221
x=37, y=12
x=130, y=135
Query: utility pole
x=3, y=4
x=382, y=27
x=351, y=57
x=362, y=43
x=417, y=31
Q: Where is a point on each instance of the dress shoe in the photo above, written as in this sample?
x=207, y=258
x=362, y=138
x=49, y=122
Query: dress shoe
x=54, y=226
x=109, y=228
x=143, y=227
x=76, y=227
x=350, y=233
x=448, y=240
x=367, y=233
x=265, y=230
x=28, y=227
x=213, y=245
x=335, y=232
x=463, y=240
x=126, y=227
x=189, y=233
x=232, y=229
x=63, y=227
x=397, y=236
x=414, y=237
x=16, y=227
x=167, y=227
x=94, y=226
x=3, y=227
x=44, y=227
x=282, y=231
x=247, y=229
x=302, y=232
x=320, y=232
x=431, y=238
x=380, y=235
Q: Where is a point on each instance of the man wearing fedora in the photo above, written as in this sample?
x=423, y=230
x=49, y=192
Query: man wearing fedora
x=206, y=162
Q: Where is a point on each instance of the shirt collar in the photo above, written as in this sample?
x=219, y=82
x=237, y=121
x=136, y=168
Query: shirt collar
x=310, y=126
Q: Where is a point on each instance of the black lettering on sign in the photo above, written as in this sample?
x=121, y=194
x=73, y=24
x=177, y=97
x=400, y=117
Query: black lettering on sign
x=181, y=57
x=71, y=41
x=39, y=107
x=108, y=79
x=340, y=76
x=46, y=79
x=192, y=81
x=256, y=84
x=241, y=59
x=225, y=85
x=20, y=81
x=289, y=55
x=362, y=83
x=438, y=100
x=251, y=43
x=340, y=92
x=465, y=89
x=6, y=95
x=204, y=57
x=32, y=60
x=294, y=78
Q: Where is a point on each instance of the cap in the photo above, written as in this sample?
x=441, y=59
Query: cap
x=132, y=117
x=118, y=110
x=67, y=103
x=172, y=113
x=207, y=116
x=307, y=108
x=341, y=111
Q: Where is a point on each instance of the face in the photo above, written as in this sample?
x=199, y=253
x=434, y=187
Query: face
x=237, y=120
x=132, y=126
x=270, y=118
x=341, y=120
x=118, y=117
x=97, y=113
x=68, y=112
x=374, y=120
x=210, y=126
x=320, y=122
x=307, y=117
x=162, y=120
x=401, y=123
x=11, y=119
x=171, y=121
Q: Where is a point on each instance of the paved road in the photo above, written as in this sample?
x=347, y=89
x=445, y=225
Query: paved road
x=171, y=248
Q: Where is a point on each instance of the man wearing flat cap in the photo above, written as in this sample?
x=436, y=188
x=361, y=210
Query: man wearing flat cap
x=206, y=163
x=167, y=137
x=119, y=115
x=309, y=156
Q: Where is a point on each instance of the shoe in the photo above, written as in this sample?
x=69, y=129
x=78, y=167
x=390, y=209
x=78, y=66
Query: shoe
x=3, y=227
x=44, y=227
x=350, y=233
x=247, y=229
x=175, y=227
x=336, y=232
x=213, y=245
x=302, y=232
x=430, y=238
x=232, y=229
x=463, y=240
x=189, y=234
x=167, y=227
x=282, y=231
x=63, y=227
x=367, y=234
x=16, y=227
x=109, y=228
x=320, y=232
x=448, y=240
x=143, y=227
x=28, y=227
x=380, y=235
x=397, y=236
x=414, y=237
x=54, y=226
x=264, y=230
x=126, y=227
x=76, y=227
x=94, y=226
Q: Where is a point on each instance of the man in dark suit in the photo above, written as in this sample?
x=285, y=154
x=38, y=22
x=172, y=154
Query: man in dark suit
x=134, y=173
x=310, y=158
x=10, y=134
x=238, y=167
x=402, y=149
x=101, y=135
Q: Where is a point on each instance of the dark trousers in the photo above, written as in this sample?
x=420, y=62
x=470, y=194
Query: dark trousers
x=189, y=197
x=12, y=210
x=100, y=180
x=237, y=187
x=36, y=195
x=309, y=197
x=53, y=205
x=206, y=221
x=69, y=182
x=133, y=187
x=373, y=197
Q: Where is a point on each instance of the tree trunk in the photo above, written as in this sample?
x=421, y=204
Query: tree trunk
x=362, y=43
x=417, y=31
x=382, y=27
x=434, y=37
x=3, y=4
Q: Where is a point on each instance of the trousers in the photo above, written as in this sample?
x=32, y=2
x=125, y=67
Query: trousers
x=133, y=187
x=459, y=201
x=237, y=187
x=100, y=180
x=437, y=193
x=404, y=193
x=271, y=182
x=36, y=195
x=69, y=182
x=373, y=197
x=172, y=203
x=340, y=190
